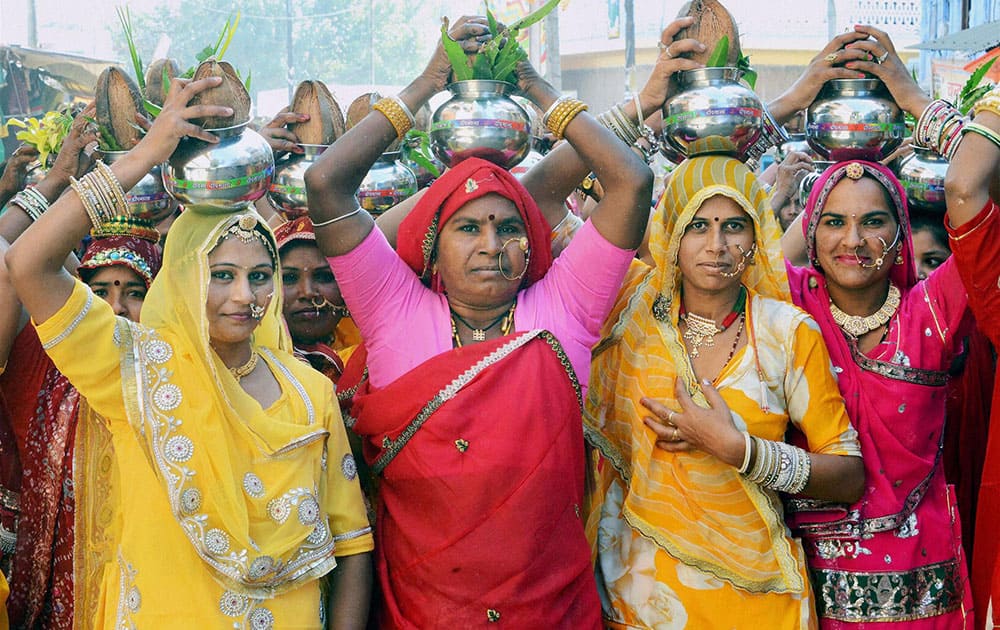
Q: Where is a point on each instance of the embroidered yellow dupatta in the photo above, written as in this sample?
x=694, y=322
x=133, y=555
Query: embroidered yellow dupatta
x=693, y=506
x=212, y=446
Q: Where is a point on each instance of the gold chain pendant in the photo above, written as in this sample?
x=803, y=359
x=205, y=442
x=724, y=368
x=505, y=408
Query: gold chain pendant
x=701, y=331
x=856, y=325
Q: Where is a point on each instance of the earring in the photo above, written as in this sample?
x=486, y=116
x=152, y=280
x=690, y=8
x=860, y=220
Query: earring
x=899, y=255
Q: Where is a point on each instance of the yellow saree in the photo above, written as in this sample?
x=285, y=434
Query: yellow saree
x=683, y=539
x=204, y=510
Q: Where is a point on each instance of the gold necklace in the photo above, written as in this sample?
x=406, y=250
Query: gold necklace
x=856, y=325
x=242, y=370
x=479, y=334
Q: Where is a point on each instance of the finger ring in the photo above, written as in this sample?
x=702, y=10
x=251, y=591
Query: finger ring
x=831, y=57
x=670, y=417
x=674, y=437
x=883, y=57
x=664, y=49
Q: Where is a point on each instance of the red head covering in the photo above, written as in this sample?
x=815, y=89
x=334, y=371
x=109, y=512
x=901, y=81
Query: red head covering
x=298, y=229
x=471, y=179
x=126, y=241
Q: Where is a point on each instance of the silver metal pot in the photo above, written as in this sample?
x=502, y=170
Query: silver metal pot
x=220, y=177
x=147, y=199
x=713, y=113
x=922, y=175
x=387, y=183
x=796, y=142
x=854, y=119
x=806, y=183
x=481, y=120
x=288, y=188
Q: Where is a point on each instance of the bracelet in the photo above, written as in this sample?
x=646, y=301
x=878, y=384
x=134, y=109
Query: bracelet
x=552, y=108
x=400, y=119
x=335, y=219
x=98, y=209
x=771, y=135
x=563, y=114
x=32, y=202
x=978, y=129
x=748, y=443
x=115, y=187
x=778, y=466
x=990, y=102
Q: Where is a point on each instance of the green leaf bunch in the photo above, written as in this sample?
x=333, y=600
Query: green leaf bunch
x=974, y=89
x=718, y=60
x=497, y=59
x=416, y=147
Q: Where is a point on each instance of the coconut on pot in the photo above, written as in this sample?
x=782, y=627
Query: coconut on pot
x=230, y=93
x=118, y=101
x=326, y=121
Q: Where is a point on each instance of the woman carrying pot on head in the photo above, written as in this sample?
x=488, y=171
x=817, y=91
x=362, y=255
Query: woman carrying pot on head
x=478, y=347
x=894, y=556
x=701, y=369
x=235, y=452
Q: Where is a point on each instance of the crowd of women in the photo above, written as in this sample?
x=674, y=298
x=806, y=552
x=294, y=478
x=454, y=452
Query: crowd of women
x=480, y=409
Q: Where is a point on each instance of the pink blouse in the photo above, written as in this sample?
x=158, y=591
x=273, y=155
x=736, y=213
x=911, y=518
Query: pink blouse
x=404, y=323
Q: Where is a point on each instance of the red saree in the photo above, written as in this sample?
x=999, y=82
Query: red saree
x=481, y=461
x=42, y=586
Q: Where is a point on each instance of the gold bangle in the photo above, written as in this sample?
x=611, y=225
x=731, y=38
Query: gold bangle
x=564, y=122
x=557, y=112
x=115, y=187
x=989, y=103
x=87, y=199
x=397, y=117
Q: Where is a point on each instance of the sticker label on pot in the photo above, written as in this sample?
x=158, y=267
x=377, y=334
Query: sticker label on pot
x=151, y=197
x=282, y=189
x=219, y=184
x=480, y=122
x=896, y=129
x=401, y=193
x=750, y=112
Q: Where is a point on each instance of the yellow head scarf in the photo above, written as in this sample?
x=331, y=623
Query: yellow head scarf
x=213, y=447
x=695, y=507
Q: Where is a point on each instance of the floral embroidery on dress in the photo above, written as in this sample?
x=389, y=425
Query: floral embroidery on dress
x=253, y=485
x=909, y=528
x=833, y=549
x=901, y=358
x=171, y=451
x=179, y=449
x=216, y=541
x=349, y=467
x=233, y=604
x=190, y=500
x=129, y=597
x=261, y=619
x=167, y=397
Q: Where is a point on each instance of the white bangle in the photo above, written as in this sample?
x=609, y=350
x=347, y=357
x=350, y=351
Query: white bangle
x=638, y=109
x=748, y=442
x=335, y=219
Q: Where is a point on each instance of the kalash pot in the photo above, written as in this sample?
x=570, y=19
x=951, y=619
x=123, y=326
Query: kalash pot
x=387, y=183
x=712, y=113
x=922, y=175
x=221, y=177
x=148, y=199
x=481, y=120
x=288, y=188
x=854, y=119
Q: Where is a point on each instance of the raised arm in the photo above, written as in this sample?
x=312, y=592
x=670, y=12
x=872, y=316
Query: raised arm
x=36, y=258
x=333, y=180
x=72, y=161
x=561, y=171
x=975, y=168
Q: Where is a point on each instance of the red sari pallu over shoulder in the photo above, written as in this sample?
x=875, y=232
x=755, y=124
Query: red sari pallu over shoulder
x=480, y=457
